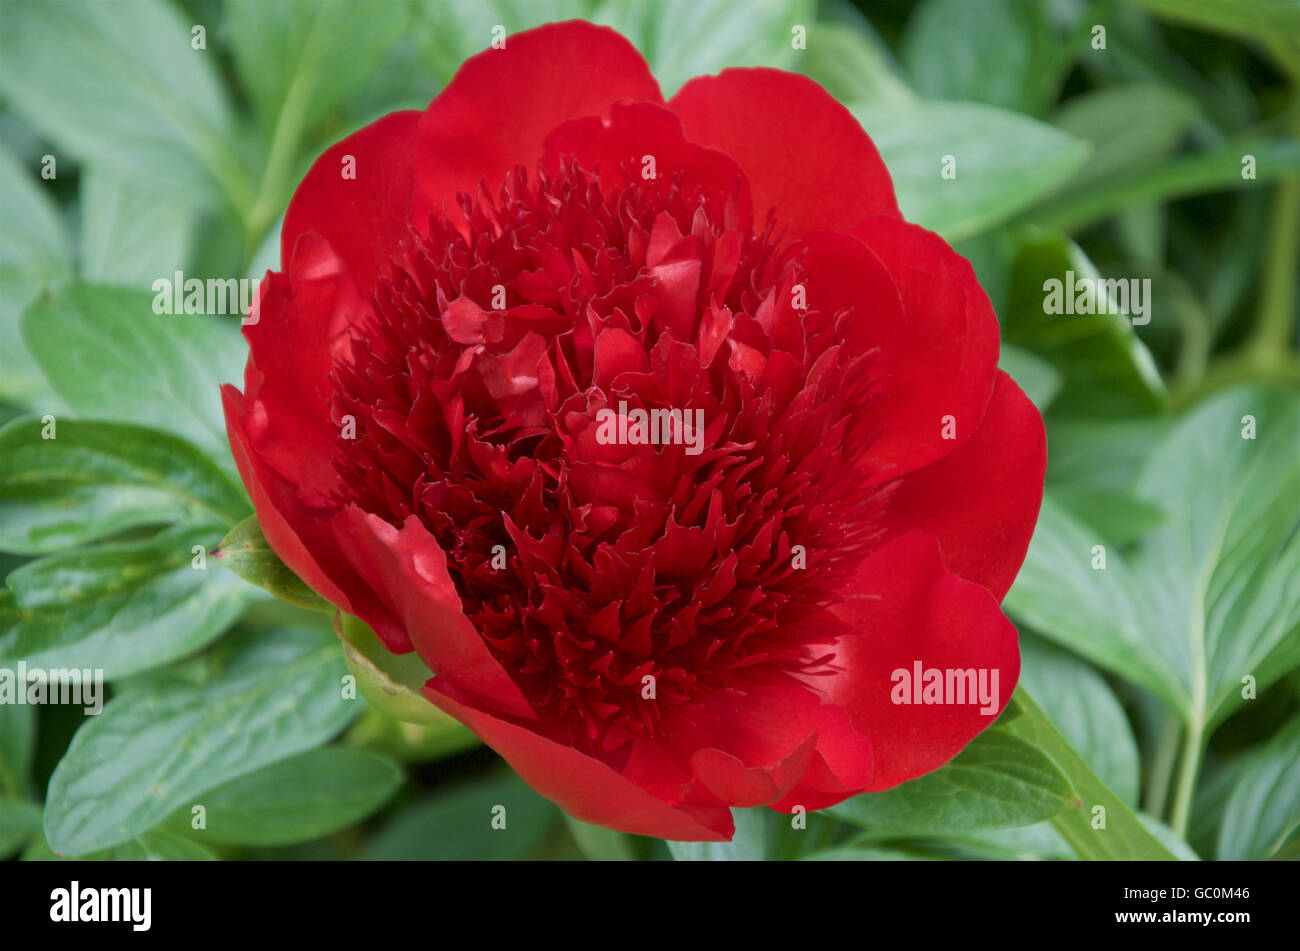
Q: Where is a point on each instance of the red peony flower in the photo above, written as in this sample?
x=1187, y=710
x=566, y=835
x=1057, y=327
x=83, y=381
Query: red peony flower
x=457, y=425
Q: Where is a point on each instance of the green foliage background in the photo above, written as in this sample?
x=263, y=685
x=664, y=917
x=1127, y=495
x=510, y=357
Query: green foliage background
x=1125, y=161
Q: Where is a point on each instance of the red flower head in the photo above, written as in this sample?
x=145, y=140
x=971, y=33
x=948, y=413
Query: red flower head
x=458, y=424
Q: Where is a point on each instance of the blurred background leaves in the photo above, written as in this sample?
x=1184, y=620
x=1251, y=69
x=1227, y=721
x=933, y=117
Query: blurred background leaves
x=1118, y=154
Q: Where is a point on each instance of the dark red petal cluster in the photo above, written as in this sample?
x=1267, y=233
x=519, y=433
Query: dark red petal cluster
x=650, y=631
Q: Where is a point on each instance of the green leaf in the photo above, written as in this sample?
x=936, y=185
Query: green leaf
x=1102, y=453
x=1092, y=472
x=1126, y=126
x=1003, y=161
x=120, y=607
x=295, y=800
x=151, y=751
x=1168, y=838
x=246, y=552
x=19, y=820
x=798, y=835
x=1116, y=516
x=682, y=39
x=390, y=682
x=1261, y=19
x=1107, y=370
x=749, y=844
x=299, y=59
x=1038, y=842
x=33, y=255
x=131, y=234
x=111, y=357
x=1215, y=786
x=95, y=479
x=1263, y=811
x=853, y=64
x=1085, y=710
x=1216, y=169
x=860, y=853
x=449, y=31
x=158, y=846
x=600, y=844
x=1002, y=52
x=997, y=781
x=1208, y=598
x=1124, y=835
x=1225, y=575
x=1100, y=614
x=411, y=742
x=33, y=238
x=120, y=85
x=17, y=745
x=1039, y=379
x=490, y=820
x=152, y=846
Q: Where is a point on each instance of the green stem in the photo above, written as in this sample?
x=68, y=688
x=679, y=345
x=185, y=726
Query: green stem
x=1162, y=768
x=279, y=162
x=10, y=785
x=1271, y=341
x=1189, y=769
x=290, y=123
x=1216, y=169
x=1266, y=355
x=1194, y=348
x=1243, y=366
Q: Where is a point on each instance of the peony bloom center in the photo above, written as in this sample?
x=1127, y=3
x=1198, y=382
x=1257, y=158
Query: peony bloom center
x=631, y=584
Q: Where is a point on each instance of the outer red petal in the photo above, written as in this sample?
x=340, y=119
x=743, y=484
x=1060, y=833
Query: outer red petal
x=297, y=533
x=408, y=572
x=950, y=355
x=803, y=152
x=280, y=430
x=300, y=326
x=363, y=218
x=981, y=501
x=907, y=607
x=758, y=748
x=585, y=788
x=499, y=107
x=727, y=779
